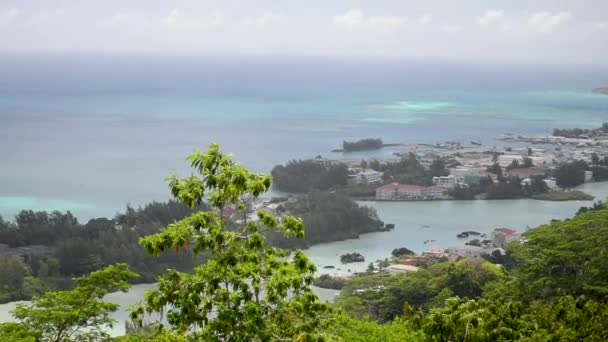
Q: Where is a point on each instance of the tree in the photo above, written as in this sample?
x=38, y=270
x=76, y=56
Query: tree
x=514, y=165
x=78, y=314
x=246, y=291
x=565, y=258
x=571, y=174
x=438, y=168
x=595, y=159
x=527, y=162
x=13, y=273
x=568, y=319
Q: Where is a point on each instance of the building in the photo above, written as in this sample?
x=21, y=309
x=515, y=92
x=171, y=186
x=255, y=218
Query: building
x=434, y=252
x=460, y=173
x=551, y=184
x=368, y=176
x=588, y=176
x=502, y=236
x=445, y=181
x=400, y=269
x=397, y=191
x=524, y=172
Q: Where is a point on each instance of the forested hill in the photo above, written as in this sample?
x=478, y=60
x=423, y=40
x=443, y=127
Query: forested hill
x=42, y=251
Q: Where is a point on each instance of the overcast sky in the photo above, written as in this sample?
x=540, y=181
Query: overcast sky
x=531, y=31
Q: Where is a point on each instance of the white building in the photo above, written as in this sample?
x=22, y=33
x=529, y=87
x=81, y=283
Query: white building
x=397, y=191
x=551, y=184
x=445, y=181
x=368, y=176
x=588, y=176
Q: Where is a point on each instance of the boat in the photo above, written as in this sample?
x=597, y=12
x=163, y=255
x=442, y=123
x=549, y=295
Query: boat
x=477, y=143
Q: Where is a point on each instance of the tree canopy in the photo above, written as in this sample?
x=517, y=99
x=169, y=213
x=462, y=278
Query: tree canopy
x=76, y=315
x=246, y=290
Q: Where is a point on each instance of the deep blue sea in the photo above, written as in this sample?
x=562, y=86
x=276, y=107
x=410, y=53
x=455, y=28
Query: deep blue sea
x=93, y=133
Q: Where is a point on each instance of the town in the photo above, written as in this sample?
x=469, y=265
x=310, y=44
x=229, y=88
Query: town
x=556, y=163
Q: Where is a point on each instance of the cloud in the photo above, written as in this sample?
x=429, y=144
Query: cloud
x=176, y=20
x=600, y=25
x=547, y=22
x=451, y=28
x=119, y=18
x=424, y=20
x=7, y=15
x=356, y=20
x=265, y=20
x=490, y=17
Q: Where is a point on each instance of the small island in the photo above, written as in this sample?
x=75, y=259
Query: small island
x=368, y=144
x=351, y=257
x=560, y=196
x=600, y=91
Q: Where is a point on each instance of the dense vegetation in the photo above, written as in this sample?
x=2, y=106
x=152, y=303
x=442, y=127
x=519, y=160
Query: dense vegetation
x=564, y=196
x=362, y=145
x=571, y=174
x=579, y=132
x=328, y=217
x=30, y=269
x=407, y=170
x=504, y=188
x=48, y=250
x=300, y=176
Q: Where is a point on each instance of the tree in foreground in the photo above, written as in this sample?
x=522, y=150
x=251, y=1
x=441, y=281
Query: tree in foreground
x=247, y=290
x=76, y=315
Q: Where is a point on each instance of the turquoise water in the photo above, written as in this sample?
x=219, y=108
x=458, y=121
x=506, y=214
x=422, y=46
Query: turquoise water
x=91, y=135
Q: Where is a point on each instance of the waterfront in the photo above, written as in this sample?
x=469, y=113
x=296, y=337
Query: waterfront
x=444, y=219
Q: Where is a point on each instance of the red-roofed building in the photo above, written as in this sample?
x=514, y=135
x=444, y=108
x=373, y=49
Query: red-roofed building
x=502, y=236
x=396, y=191
x=410, y=262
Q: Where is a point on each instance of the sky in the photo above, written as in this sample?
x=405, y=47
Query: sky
x=517, y=31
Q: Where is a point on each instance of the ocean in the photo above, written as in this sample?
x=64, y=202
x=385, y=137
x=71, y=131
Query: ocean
x=92, y=133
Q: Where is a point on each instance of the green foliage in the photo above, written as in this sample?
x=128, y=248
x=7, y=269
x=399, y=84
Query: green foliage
x=571, y=132
x=78, y=314
x=305, y=175
x=438, y=168
x=362, y=145
x=326, y=281
x=82, y=249
x=246, y=290
x=564, y=196
x=327, y=217
x=16, y=332
x=382, y=296
x=571, y=174
x=600, y=173
x=565, y=258
x=348, y=329
x=470, y=320
x=12, y=281
x=406, y=171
